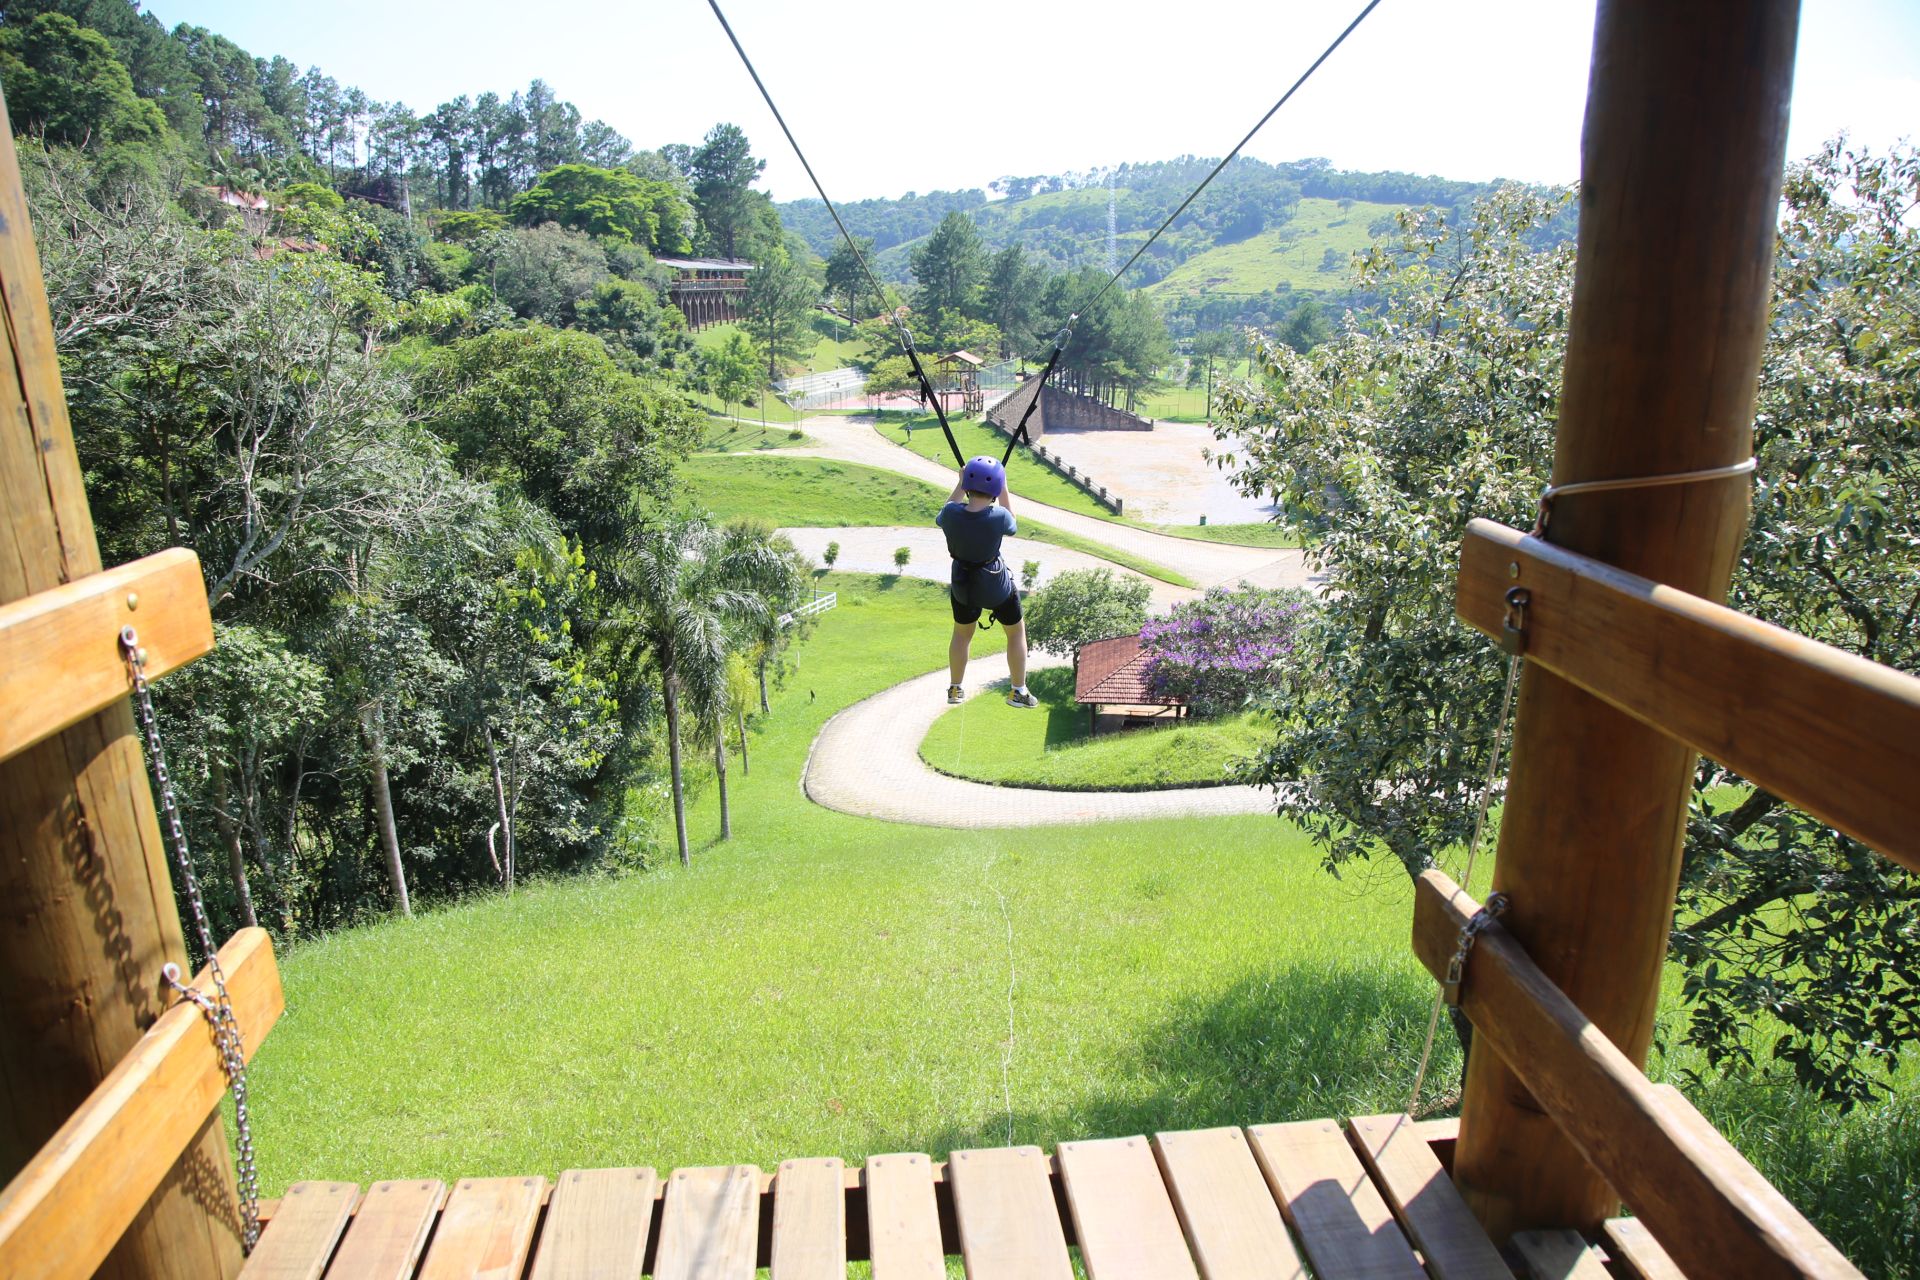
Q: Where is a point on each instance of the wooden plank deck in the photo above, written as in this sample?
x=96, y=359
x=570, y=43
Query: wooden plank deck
x=1359, y=1199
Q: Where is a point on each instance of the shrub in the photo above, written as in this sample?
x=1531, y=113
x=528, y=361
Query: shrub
x=901, y=555
x=1084, y=605
x=831, y=554
x=1225, y=650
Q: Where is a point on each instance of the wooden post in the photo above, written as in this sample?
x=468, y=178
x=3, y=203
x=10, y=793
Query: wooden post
x=1681, y=167
x=90, y=915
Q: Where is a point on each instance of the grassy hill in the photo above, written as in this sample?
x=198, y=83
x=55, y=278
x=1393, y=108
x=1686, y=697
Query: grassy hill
x=1295, y=254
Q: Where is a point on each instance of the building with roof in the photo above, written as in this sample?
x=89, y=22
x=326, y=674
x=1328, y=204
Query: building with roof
x=1110, y=681
x=708, y=290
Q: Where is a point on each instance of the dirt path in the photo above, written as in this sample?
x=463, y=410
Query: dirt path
x=866, y=761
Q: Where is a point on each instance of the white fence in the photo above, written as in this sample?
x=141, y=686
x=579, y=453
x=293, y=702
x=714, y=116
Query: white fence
x=822, y=390
x=812, y=607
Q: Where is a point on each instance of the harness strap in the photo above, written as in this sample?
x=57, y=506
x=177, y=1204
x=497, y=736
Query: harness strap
x=926, y=389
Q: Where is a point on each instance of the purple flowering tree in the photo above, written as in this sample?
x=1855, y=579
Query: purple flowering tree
x=1224, y=651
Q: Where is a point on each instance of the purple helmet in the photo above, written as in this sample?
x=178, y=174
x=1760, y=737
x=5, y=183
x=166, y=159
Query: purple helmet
x=984, y=475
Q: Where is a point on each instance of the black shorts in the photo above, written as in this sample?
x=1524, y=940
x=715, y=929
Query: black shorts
x=1006, y=613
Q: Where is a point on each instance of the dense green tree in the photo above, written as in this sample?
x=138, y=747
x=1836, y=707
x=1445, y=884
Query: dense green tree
x=846, y=279
x=727, y=370
x=1011, y=298
x=949, y=268
x=1120, y=343
x=609, y=203
x=632, y=320
x=723, y=171
x=1384, y=441
x=781, y=296
x=64, y=84
x=550, y=412
x=1084, y=605
x=542, y=272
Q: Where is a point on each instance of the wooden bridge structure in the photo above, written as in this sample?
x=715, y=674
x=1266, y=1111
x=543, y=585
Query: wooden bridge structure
x=111, y=1133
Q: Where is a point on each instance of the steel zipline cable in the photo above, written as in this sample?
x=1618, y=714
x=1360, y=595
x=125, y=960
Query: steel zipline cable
x=1061, y=339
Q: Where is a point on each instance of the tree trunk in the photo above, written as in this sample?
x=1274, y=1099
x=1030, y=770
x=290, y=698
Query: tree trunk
x=383, y=803
x=764, y=708
x=1680, y=160
x=740, y=718
x=672, y=700
x=236, y=852
x=500, y=811
x=720, y=768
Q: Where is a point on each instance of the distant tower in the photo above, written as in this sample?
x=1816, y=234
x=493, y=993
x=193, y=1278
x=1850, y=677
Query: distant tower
x=1113, y=223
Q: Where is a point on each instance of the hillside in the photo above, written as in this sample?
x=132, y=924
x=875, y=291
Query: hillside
x=1310, y=254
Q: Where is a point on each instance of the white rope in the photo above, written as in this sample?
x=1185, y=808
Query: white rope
x=1013, y=980
x=1553, y=491
x=1473, y=851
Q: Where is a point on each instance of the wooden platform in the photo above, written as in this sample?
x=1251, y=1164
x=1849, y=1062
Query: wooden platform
x=1370, y=1199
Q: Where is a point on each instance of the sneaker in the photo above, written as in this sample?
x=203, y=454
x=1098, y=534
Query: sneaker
x=955, y=695
x=1022, y=698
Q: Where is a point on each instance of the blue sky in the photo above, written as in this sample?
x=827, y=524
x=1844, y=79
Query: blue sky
x=890, y=97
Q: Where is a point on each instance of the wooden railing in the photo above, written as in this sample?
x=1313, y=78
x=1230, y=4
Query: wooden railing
x=62, y=1215
x=63, y=660
x=1833, y=733
x=1711, y=1210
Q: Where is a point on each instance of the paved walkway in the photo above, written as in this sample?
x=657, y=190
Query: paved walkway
x=866, y=761
x=853, y=439
x=870, y=548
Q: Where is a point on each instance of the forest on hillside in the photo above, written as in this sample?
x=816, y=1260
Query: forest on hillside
x=411, y=387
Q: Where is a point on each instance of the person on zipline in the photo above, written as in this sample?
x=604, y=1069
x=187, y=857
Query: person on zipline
x=978, y=514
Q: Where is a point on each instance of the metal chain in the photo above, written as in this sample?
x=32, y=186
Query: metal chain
x=218, y=1008
x=1494, y=907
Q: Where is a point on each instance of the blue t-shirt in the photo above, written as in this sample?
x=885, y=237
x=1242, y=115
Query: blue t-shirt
x=975, y=535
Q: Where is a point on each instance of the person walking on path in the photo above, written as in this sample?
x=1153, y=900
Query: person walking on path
x=978, y=515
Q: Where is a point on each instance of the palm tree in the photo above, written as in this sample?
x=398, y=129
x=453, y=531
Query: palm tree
x=764, y=633
x=684, y=587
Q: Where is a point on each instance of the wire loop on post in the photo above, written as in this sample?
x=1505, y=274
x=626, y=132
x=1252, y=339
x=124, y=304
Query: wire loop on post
x=1555, y=491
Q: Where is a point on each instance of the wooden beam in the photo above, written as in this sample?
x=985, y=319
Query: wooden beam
x=1711, y=1210
x=61, y=648
x=1833, y=733
x=62, y=1215
x=1681, y=159
x=90, y=910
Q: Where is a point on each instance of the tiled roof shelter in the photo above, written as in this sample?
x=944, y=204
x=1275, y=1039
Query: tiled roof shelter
x=1113, y=672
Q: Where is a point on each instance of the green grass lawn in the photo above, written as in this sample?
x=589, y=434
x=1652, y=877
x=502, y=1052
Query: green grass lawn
x=1240, y=535
x=1181, y=403
x=726, y=435
x=775, y=409
x=1292, y=254
x=822, y=493
x=1030, y=477
x=828, y=985
x=1048, y=747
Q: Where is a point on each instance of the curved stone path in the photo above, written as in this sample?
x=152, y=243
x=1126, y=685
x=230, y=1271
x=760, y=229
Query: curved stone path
x=866, y=761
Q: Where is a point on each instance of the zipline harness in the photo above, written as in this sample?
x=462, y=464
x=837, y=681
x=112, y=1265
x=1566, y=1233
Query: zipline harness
x=1061, y=339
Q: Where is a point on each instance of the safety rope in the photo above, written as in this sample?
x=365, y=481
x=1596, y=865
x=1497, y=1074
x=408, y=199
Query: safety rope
x=879, y=292
x=1514, y=661
x=1553, y=491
